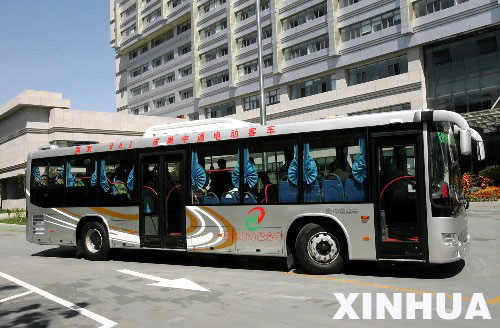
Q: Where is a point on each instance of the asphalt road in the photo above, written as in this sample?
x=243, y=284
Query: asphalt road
x=46, y=286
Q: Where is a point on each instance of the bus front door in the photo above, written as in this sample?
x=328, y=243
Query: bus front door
x=162, y=213
x=400, y=197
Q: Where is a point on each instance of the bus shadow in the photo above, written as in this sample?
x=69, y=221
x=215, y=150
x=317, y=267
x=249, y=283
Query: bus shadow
x=154, y=256
x=264, y=263
x=404, y=269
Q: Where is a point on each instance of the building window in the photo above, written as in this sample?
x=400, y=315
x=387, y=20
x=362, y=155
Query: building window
x=264, y=4
x=152, y=16
x=245, y=13
x=163, y=101
x=185, y=71
x=377, y=70
x=370, y=25
x=268, y=61
x=133, y=54
x=247, y=68
x=163, y=59
x=194, y=116
x=213, y=54
x=186, y=94
x=220, y=111
x=267, y=32
x=174, y=3
x=213, y=29
x=306, y=48
x=163, y=80
x=304, y=17
x=247, y=40
x=214, y=79
x=210, y=5
x=139, y=90
x=250, y=11
x=312, y=87
x=144, y=49
x=425, y=7
x=182, y=50
x=139, y=71
x=159, y=82
x=393, y=108
x=140, y=109
x=184, y=27
x=129, y=31
x=345, y=3
x=164, y=37
x=253, y=102
x=129, y=11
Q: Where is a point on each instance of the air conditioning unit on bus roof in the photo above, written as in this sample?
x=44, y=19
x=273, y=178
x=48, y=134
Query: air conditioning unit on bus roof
x=212, y=124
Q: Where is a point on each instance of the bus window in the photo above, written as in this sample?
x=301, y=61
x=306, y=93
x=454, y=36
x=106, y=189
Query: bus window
x=340, y=162
x=82, y=172
x=273, y=163
x=213, y=181
x=47, y=187
x=81, y=181
x=116, y=179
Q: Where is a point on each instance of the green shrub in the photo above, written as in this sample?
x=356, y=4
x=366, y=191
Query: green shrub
x=493, y=173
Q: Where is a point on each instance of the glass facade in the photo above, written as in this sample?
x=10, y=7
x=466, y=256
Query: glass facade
x=463, y=74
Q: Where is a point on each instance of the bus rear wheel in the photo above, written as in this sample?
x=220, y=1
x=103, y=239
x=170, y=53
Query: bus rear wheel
x=320, y=250
x=94, y=242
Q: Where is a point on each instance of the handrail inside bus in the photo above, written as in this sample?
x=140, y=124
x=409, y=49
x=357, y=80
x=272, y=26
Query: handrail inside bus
x=394, y=180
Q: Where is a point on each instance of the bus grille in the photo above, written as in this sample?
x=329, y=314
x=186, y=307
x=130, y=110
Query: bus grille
x=38, y=225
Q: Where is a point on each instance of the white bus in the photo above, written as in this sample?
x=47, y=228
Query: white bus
x=320, y=193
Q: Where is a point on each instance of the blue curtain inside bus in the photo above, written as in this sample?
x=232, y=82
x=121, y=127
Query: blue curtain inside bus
x=104, y=181
x=310, y=170
x=250, y=176
x=130, y=180
x=36, y=174
x=70, y=178
x=93, y=180
x=359, y=164
x=198, y=174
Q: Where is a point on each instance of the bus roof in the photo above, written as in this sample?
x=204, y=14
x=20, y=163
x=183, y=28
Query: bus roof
x=213, y=124
x=196, y=134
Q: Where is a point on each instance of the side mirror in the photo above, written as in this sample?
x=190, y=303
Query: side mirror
x=481, y=154
x=465, y=142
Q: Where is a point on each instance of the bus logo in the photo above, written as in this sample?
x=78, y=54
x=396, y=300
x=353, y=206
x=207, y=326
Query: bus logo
x=255, y=217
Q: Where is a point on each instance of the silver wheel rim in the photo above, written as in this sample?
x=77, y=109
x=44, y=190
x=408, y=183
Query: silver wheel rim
x=93, y=240
x=323, y=248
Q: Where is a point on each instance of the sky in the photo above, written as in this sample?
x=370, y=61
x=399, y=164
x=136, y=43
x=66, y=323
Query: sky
x=59, y=46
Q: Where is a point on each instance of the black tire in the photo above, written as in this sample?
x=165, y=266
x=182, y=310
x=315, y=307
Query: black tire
x=94, y=242
x=329, y=255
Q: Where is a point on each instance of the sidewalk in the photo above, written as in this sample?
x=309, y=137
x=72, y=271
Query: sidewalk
x=491, y=205
x=12, y=227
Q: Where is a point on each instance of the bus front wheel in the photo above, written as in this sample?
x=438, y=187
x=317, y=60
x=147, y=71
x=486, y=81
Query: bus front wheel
x=320, y=250
x=94, y=242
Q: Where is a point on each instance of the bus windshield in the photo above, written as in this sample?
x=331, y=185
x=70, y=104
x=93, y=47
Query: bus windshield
x=446, y=182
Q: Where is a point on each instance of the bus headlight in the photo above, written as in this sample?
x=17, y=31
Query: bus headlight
x=450, y=239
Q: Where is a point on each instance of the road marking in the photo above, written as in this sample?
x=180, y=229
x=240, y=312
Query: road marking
x=369, y=284
x=182, y=283
x=15, y=296
x=106, y=323
x=494, y=300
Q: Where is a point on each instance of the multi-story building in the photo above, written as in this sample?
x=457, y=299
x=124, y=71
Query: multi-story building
x=35, y=119
x=198, y=59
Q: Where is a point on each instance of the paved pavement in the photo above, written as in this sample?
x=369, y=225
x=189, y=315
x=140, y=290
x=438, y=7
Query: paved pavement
x=46, y=286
